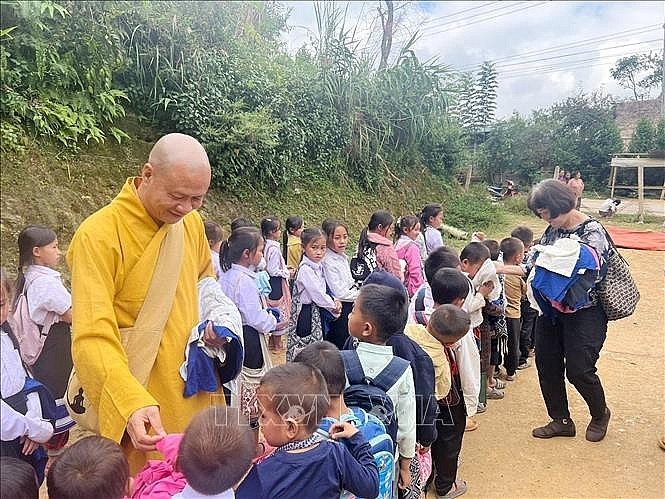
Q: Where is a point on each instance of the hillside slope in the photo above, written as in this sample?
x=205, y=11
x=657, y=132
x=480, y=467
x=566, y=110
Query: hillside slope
x=60, y=189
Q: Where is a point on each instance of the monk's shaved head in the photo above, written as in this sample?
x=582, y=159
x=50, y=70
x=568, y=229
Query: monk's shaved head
x=175, y=179
x=178, y=149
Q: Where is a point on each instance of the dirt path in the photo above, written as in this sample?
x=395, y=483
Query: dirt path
x=501, y=459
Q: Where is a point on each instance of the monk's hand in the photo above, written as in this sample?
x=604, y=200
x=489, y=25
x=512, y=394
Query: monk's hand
x=211, y=339
x=140, y=423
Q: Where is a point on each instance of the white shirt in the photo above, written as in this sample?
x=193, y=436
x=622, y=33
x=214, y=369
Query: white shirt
x=608, y=205
x=214, y=256
x=433, y=239
x=239, y=284
x=374, y=358
x=13, y=424
x=46, y=293
x=275, y=264
x=312, y=285
x=337, y=274
x=189, y=493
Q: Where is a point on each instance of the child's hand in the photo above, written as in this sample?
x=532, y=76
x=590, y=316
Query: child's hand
x=404, y=481
x=338, y=307
x=342, y=430
x=486, y=288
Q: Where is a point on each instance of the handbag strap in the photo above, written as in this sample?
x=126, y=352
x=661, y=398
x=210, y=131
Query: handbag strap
x=142, y=340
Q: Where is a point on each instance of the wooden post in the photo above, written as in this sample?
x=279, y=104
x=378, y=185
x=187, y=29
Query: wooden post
x=613, y=180
x=662, y=191
x=640, y=193
x=556, y=172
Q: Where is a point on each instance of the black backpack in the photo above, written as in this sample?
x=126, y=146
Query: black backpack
x=370, y=394
x=363, y=263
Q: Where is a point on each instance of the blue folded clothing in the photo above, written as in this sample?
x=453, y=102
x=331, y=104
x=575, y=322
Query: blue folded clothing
x=201, y=367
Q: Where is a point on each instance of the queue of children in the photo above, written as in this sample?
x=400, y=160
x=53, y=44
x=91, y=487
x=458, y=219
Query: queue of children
x=428, y=327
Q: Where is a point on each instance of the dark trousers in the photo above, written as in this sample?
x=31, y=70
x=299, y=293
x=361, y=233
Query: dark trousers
x=446, y=448
x=54, y=364
x=527, y=332
x=339, y=328
x=513, y=354
x=253, y=353
x=570, y=344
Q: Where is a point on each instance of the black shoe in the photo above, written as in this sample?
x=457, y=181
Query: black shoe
x=555, y=428
x=597, y=428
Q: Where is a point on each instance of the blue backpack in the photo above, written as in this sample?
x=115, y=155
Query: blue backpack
x=370, y=394
x=381, y=446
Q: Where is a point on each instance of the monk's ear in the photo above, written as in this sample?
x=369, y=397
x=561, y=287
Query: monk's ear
x=147, y=172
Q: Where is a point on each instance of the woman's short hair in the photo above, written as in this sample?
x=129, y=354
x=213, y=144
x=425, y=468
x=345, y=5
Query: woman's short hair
x=553, y=196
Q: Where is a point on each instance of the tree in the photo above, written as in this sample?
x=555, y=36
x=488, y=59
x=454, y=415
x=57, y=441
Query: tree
x=660, y=135
x=643, y=139
x=639, y=73
x=387, y=36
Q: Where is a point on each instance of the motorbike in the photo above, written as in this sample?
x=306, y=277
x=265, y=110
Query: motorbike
x=499, y=193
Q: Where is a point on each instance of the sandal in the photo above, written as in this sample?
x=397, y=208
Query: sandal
x=471, y=424
x=661, y=442
x=458, y=488
x=498, y=384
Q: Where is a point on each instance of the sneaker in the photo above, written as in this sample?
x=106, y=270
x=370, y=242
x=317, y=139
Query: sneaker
x=532, y=352
x=510, y=377
x=482, y=407
x=494, y=393
x=556, y=428
x=524, y=365
x=597, y=428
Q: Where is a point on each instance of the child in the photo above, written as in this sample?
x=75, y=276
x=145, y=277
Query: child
x=440, y=258
x=513, y=254
x=236, y=223
x=407, y=232
x=280, y=296
x=529, y=315
x=215, y=236
x=423, y=369
x=215, y=453
x=375, y=248
x=378, y=313
x=326, y=357
x=240, y=254
x=291, y=245
x=18, y=479
x=93, y=467
x=473, y=258
x=494, y=320
x=431, y=219
x=312, y=308
x=22, y=428
x=609, y=207
x=450, y=327
x=50, y=306
x=293, y=398
x=338, y=277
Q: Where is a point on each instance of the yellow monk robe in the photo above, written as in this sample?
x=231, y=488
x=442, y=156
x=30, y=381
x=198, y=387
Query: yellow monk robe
x=108, y=289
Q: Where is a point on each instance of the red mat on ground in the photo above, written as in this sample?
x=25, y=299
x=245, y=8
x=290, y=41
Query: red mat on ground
x=637, y=239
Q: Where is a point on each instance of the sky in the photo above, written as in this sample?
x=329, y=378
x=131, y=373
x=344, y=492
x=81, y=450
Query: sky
x=525, y=38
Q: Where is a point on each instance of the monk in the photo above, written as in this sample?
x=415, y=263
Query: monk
x=112, y=258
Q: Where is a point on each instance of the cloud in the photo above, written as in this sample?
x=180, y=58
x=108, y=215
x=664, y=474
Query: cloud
x=520, y=28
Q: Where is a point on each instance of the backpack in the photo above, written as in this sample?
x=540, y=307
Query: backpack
x=421, y=317
x=380, y=443
x=364, y=262
x=31, y=337
x=370, y=394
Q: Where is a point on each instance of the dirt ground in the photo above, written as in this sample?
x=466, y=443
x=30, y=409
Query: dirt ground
x=501, y=459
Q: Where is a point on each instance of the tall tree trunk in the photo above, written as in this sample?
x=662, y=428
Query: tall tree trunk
x=387, y=39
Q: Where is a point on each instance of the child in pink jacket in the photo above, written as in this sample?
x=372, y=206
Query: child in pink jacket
x=376, y=237
x=408, y=252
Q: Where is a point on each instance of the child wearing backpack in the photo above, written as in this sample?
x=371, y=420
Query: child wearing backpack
x=240, y=254
x=312, y=306
x=378, y=313
x=280, y=295
x=22, y=429
x=375, y=249
x=293, y=399
x=325, y=357
x=46, y=348
x=338, y=277
x=407, y=231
